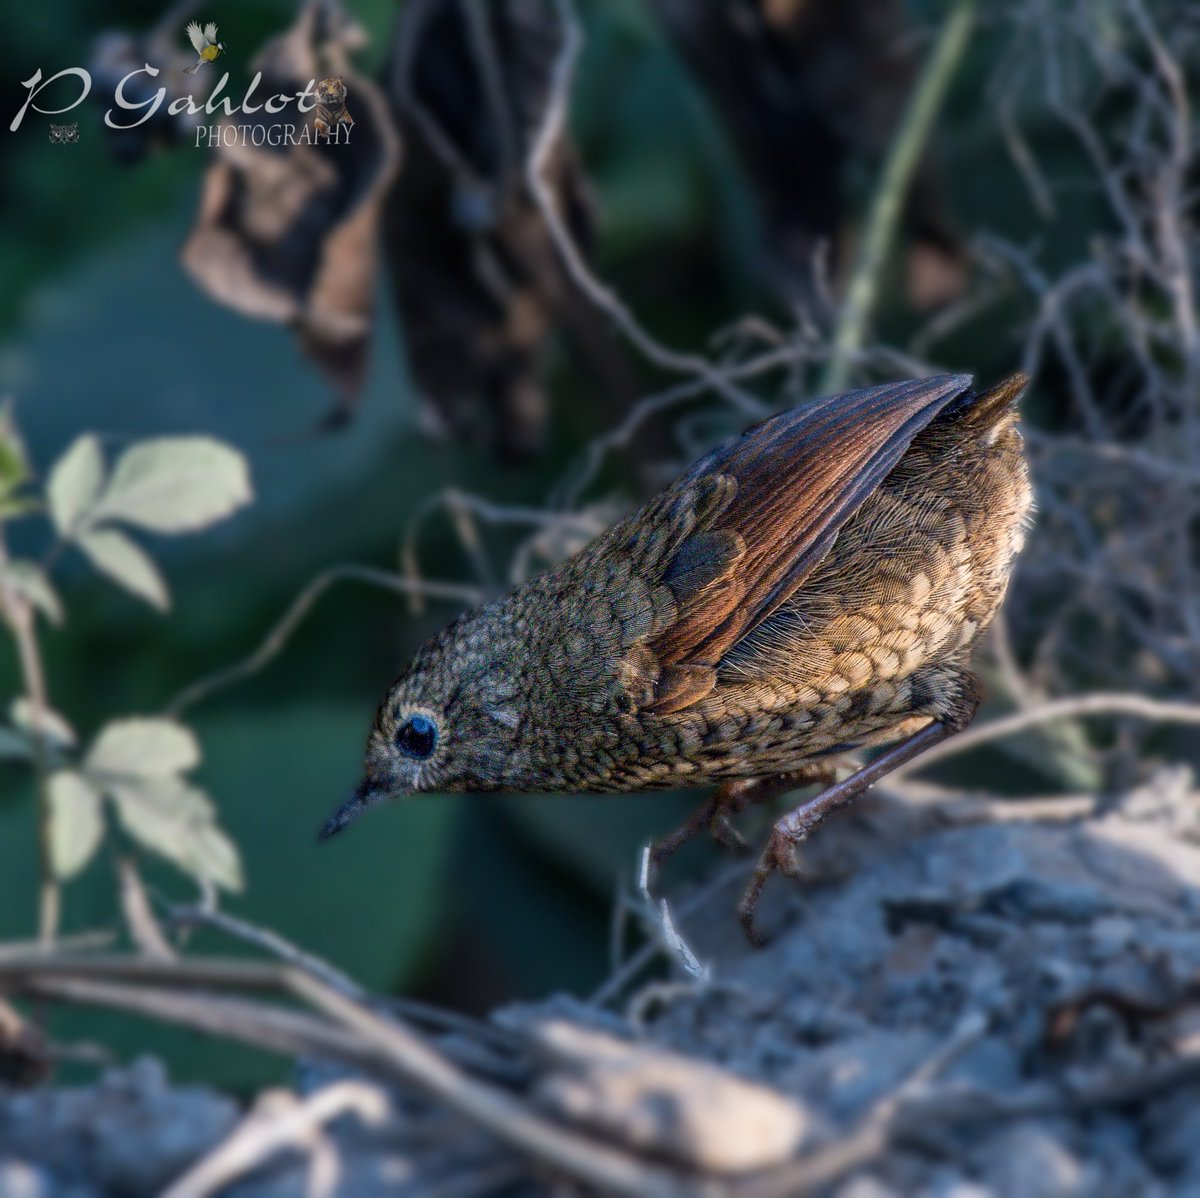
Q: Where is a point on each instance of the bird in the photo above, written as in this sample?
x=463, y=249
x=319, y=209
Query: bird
x=808, y=589
x=205, y=43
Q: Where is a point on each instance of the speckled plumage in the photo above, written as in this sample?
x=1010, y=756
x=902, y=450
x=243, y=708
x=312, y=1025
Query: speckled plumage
x=811, y=587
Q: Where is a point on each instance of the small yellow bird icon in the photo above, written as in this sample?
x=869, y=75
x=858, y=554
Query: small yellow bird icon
x=206, y=44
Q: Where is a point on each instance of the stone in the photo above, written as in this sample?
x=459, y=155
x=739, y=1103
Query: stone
x=683, y=1110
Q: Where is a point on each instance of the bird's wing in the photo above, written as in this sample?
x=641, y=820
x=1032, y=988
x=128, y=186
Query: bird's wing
x=740, y=532
x=210, y=33
x=196, y=36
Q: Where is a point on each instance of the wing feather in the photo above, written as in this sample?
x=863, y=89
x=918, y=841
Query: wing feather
x=210, y=32
x=788, y=485
x=196, y=36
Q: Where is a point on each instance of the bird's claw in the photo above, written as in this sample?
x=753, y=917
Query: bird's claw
x=778, y=857
x=721, y=829
x=717, y=816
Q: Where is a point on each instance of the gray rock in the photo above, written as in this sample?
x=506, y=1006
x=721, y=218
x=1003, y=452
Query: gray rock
x=130, y=1133
x=903, y=927
x=1030, y=1161
x=19, y=1179
x=666, y=1104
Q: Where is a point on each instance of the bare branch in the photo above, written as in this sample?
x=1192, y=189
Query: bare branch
x=280, y=1122
x=295, y=614
x=602, y=296
x=1097, y=703
x=389, y=1046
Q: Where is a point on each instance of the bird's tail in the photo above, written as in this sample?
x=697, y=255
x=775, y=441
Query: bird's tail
x=986, y=409
x=193, y=68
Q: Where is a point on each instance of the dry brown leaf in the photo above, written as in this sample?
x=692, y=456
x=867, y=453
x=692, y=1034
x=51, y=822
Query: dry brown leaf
x=805, y=89
x=476, y=276
x=288, y=233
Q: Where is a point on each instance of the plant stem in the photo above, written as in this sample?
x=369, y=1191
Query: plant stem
x=21, y=619
x=902, y=159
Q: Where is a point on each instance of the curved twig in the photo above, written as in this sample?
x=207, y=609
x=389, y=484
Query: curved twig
x=294, y=615
x=1098, y=703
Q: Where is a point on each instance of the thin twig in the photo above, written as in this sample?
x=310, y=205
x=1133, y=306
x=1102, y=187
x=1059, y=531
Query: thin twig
x=259, y=1025
x=78, y=942
x=269, y=941
x=279, y=634
x=284, y=950
x=21, y=618
x=606, y=1168
x=280, y=1123
x=143, y=927
x=392, y=1047
x=961, y=807
x=581, y=474
x=542, y=148
x=1097, y=703
x=874, y=1134
x=648, y=952
x=657, y=914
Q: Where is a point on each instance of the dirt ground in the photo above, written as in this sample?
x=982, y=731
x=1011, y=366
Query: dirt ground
x=962, y=998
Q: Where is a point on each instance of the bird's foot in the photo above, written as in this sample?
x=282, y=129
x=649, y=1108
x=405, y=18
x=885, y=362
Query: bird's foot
x=701, y=817
x=797, y=825
x=778, y=857
x=721, y=828
x=732, y=797
x=716, y=815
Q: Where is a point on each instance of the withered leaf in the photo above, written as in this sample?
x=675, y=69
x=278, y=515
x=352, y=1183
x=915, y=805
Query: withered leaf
x=288, y=233
x=478, y=283
x=805, y=89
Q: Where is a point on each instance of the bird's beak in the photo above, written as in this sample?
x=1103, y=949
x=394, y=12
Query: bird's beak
x=365, y=796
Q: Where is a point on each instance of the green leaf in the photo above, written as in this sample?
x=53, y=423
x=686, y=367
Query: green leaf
x=76, y=822
x=29, y=581
x=14, y=744
x=53, y=727
x=171, y=801
x=13, y=506
x=215, y=858
x=74, y=483
x=177, y=821
x=14, y=464
x=175, y=484
x=114, y=554
x=142, y=748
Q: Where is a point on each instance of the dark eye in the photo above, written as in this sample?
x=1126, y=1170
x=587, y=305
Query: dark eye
x=417, y=736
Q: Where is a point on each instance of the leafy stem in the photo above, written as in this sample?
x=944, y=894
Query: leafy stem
x=21, y=618
x=134, y=766
x=888, y=201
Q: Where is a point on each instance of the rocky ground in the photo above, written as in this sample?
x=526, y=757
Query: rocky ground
x=962, y=998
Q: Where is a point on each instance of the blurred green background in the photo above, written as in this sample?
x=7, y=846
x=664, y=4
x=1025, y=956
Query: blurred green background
x=468, y=901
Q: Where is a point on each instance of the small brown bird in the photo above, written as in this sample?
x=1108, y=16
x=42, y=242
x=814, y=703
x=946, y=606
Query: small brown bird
x=807, y=589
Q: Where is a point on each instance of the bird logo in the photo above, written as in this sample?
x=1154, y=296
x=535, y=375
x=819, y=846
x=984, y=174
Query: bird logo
x=206, y=45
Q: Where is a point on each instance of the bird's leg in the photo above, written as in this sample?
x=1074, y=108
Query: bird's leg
x=734, y=795
x=703, y=815
x=795, y=827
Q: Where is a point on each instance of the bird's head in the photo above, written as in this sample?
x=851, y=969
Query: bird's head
x=449, y=723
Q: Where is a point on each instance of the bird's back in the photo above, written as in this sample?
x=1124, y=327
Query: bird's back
x=914, y=575
x=802, y=590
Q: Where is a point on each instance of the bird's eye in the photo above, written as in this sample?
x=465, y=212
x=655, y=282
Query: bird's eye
x=417, y=736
